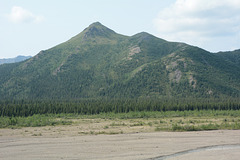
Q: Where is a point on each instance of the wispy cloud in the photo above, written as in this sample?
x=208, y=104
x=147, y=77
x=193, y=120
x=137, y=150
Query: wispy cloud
x=21, y=15
x=199, y=21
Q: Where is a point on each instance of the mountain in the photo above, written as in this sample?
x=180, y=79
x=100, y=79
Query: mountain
x=14, y=60
x=99, y=62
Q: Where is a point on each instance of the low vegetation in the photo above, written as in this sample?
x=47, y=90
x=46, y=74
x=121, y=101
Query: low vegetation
x=117, y=123
x=32, y=121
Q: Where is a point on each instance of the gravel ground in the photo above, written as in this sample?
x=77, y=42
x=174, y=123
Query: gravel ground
x=135, y=146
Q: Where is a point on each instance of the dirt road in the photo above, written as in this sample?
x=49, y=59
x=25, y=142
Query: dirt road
x=135, y=146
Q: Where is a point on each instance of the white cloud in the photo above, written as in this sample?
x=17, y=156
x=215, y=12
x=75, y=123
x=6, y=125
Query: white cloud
x=199, y=22
x=20, y=15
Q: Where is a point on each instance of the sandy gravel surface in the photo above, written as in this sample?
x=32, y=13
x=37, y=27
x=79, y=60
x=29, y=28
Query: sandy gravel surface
x=135, y=146
x=218, y=154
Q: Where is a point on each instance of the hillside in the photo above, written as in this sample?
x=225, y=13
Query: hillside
x=14, y=60
x=99, y=62
x=233, y=56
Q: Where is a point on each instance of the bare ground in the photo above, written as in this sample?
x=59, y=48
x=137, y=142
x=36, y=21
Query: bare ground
x=64, y=142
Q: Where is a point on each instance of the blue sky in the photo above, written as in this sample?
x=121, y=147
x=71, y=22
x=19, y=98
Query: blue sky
x=27, y=26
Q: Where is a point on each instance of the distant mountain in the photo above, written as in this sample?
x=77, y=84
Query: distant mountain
x=99, y=62
x=14, y=60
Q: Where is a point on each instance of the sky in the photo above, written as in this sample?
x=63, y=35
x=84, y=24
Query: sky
x=27, y=26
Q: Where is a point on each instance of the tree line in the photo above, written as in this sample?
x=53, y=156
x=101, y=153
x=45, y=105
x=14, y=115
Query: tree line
x=96, y=106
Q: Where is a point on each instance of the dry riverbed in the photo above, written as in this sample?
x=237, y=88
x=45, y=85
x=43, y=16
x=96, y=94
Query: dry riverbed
x=132, y=139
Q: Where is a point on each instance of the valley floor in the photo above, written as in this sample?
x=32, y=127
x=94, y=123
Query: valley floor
x=128, y=146
x=122, y=136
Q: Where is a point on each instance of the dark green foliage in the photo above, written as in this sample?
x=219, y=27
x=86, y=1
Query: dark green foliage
x=93, y=106
x=233, y=57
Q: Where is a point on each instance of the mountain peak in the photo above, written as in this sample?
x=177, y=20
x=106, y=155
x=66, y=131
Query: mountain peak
x=144, y=36
x=93, y=31
x=95, y=24
x=97, y=29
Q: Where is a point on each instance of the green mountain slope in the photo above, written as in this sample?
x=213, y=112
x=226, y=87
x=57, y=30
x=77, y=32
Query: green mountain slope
x=98, y=62
x=233, y=56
